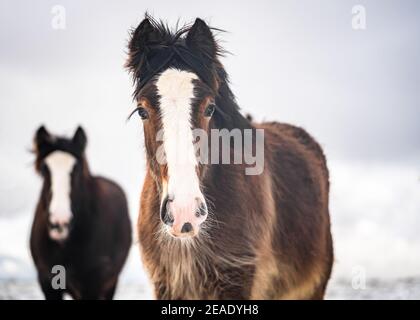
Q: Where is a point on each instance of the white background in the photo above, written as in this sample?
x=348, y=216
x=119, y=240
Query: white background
x=356, y=92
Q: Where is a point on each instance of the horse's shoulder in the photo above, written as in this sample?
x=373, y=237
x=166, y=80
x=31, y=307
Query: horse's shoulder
x=107, y=187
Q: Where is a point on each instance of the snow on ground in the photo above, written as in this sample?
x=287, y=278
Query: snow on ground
x=375, y=289
x=374, y=212
x=408, y=288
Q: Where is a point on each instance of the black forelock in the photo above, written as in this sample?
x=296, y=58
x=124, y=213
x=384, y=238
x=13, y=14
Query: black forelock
x=170, y=51
x=168, y=48
x=59, y=144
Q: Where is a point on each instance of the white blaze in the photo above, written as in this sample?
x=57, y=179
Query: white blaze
x=60, y=165
x=176, y=91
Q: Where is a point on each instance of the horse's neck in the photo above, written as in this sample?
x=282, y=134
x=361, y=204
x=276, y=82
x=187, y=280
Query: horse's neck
x=83, y=197
x=230, y=117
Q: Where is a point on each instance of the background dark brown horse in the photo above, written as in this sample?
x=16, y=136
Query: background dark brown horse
x=237, y=236
x=81, y=222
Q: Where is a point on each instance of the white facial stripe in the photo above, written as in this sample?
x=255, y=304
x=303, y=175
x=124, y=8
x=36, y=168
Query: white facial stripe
x=60, y=165
x=176, y=90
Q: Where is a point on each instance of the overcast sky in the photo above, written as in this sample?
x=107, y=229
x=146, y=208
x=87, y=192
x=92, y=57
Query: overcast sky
x=356, y=91
x=298, y=61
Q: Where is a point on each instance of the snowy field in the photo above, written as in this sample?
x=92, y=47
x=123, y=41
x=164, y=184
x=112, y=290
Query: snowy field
x=375, y=257
x=408, y=289
x=306, y=66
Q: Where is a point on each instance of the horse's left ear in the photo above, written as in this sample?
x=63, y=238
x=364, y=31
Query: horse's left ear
x=42, y=139
x=80, y=139
x=200, y=39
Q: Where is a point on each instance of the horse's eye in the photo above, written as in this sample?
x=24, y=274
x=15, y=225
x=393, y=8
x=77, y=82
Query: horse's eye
x=209, y=110
x=143, y=113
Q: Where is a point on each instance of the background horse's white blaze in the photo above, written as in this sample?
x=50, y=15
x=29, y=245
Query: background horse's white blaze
x=60, y=164
x=176, y=91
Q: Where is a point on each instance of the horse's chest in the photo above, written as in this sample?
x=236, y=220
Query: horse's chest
x=181, y=274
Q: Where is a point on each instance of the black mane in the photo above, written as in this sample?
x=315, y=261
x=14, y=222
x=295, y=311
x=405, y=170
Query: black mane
x=169, y=51
x=46, y=143
x=155, y=47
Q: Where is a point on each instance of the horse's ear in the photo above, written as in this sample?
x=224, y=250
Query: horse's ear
x=201, y=41
x=145, y=35
x=80, y=139
x=42, y=136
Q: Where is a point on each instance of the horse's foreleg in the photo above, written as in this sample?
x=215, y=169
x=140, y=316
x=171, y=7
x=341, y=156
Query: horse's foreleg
x=49, y=292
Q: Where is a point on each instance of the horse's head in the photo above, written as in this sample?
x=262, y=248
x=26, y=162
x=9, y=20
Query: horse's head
x=60, y=161
x=177, y=77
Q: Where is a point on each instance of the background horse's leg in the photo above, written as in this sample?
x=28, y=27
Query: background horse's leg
x=49, y=292
x=109, y=295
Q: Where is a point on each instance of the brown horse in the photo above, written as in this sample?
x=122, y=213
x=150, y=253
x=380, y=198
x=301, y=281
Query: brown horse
x=209, y=230
x=81, y=222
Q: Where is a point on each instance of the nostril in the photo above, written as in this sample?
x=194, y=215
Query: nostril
x=168, y=220
x=202, y=210
x=187, y=227
x=165, y=214
x=54, y=225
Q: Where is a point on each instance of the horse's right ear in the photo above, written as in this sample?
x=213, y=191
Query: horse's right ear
x=42, y=136
x=143, y=38
x=146, y=34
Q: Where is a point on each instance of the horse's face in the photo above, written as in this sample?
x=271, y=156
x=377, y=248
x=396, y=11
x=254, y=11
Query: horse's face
x=60, y=163
x=174, y=105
